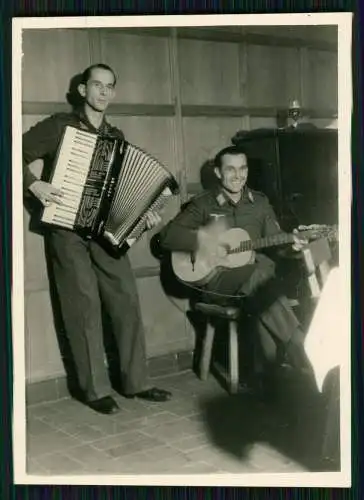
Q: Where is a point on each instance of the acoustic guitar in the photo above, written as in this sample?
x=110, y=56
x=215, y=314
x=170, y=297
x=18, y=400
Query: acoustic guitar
x=236, y=250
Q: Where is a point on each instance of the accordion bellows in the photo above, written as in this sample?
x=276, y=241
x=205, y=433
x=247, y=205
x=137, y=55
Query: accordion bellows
x=108, y=186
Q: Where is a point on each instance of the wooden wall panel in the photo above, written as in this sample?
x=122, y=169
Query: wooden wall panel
x=35, y=269
x=142, y=65
x=209, y=76
x=164, y=318
x=262, y=122
x=47, y=65
x=30, y=120
x=209, y=72
x=320, y=80
x=203, y=138
x=140, y=253
x=273, y=75
x=155, y=135
x=34, y=263
x=308, y=33
x=43, y=358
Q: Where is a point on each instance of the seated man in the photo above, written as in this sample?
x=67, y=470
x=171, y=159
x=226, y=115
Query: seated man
x=231, y=205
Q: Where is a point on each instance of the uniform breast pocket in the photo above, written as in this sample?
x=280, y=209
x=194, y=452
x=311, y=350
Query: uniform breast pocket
x=251, y=223
x=215, y=216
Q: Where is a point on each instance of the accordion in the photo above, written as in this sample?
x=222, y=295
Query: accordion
x=108, y=186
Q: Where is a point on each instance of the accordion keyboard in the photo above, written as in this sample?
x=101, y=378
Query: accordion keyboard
x=70, y=176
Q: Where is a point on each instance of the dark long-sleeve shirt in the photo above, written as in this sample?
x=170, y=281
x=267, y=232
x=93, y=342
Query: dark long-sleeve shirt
x=42, y=140
x=252, y=213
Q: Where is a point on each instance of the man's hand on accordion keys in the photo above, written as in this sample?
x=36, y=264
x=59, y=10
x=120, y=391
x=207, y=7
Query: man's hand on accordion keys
x=46, y=193
x=152, y=219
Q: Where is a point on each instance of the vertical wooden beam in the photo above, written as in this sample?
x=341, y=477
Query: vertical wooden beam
x=243, y=82
x=95, y=45
x=178, y=138
x=304, y=71
x=178, y=141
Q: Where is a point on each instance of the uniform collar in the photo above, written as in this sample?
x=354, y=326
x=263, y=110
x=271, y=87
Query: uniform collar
x=87, y=125
x=222, y=198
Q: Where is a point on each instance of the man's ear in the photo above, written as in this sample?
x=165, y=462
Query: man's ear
x=82, y=89
x=217, y=172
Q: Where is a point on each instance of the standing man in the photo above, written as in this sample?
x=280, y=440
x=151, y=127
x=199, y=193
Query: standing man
x=231, y=205
x=87, y=278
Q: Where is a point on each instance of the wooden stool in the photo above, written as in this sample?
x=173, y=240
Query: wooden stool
x=231, y=314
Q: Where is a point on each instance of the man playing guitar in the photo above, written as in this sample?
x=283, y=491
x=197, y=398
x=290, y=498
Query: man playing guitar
x=197, y=229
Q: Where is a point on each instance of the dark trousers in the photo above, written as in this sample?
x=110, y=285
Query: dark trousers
x=87, y=278
x=275, y=322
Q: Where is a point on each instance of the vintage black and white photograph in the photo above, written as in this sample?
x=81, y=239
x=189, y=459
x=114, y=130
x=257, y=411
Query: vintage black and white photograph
x=181, y=273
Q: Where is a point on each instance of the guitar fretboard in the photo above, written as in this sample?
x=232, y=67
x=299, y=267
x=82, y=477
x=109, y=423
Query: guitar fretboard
x=273, y=240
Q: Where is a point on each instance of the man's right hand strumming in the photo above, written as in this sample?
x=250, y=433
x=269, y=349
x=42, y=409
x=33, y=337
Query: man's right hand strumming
x=208, y=240
x=46, y=193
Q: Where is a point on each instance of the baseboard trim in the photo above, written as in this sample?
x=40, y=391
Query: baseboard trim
x=56, y=388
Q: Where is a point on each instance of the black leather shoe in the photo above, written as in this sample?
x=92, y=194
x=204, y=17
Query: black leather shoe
x=154, y=394
x=106, y=405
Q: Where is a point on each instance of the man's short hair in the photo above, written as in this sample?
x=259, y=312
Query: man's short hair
x=229, y=150
x=86, y=75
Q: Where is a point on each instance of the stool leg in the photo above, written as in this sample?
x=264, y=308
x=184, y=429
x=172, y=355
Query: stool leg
x=206, y=352
x=233, y=357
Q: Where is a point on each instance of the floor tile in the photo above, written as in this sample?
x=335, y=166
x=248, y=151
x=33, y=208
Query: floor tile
x=201, y=430
x=41, y=410
x=190, y=443
x=49, y=443
x=159, y=419
x=166, y=452
x=111, y=427
x=36, y=427
x=33, y=467
x=183, y=408
x=59, y=464
x=143, y=444
x=173, y=431
x=117, y=440
x=92, y=460
x=84, y=432
x=149, y=464
x=198, y=468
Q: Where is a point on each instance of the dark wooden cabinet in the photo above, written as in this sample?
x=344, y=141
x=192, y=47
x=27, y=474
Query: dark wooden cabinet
x=297, y=169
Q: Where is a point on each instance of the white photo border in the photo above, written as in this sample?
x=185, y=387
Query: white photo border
x=318, y=479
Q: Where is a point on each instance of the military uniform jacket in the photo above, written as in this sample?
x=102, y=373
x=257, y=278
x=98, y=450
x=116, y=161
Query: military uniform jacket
x=253, y=213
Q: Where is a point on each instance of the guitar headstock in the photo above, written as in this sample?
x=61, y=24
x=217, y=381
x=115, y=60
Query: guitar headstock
x=316, y=231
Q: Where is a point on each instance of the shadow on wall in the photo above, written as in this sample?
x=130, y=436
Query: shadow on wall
x=208, y=179
x=73, y=96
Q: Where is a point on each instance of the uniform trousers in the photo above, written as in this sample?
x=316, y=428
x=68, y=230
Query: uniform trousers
x=87, y=279
x=258, y=291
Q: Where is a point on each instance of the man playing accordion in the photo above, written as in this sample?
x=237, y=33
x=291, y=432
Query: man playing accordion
x=87, y=277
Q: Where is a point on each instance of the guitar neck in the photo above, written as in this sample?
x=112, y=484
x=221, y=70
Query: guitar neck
x=268, y=241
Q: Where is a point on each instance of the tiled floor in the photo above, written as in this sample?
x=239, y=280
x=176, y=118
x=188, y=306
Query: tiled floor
x=201, y=430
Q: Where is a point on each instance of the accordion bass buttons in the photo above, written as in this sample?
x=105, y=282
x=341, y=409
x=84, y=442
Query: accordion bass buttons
x=109, y=191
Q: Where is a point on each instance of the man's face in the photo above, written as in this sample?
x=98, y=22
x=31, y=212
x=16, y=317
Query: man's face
x=99, y=90
x=233, y=172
